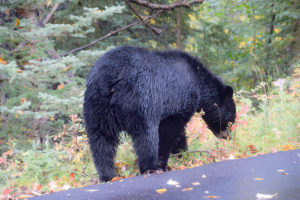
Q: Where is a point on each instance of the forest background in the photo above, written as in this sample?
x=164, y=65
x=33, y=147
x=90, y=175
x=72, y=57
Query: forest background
x=47, y=48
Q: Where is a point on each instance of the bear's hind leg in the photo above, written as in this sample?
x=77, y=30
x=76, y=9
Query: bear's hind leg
x=103, y=135
x=104, y=151
x=146, y=146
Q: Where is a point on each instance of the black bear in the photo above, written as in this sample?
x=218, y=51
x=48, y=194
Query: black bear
x=151, y=95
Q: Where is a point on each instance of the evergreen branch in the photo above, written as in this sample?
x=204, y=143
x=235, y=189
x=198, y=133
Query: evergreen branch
x=112, y=33
x=155, y=30
x=41, y=24
x=48, y=17
x=167, y=6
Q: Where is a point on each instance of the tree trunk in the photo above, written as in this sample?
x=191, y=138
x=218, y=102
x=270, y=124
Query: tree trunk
x=3, y=101
x=178, y=19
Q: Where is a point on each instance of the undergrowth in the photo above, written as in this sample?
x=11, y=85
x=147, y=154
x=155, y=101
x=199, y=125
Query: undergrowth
x=268, y=120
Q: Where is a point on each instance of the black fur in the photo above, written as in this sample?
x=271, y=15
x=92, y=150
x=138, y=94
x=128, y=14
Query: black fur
x=151, y=96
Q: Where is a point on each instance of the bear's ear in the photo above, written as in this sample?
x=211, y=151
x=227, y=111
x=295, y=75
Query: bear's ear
x=227, y=92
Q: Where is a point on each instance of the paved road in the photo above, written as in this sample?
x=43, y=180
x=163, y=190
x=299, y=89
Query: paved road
x=273, y=175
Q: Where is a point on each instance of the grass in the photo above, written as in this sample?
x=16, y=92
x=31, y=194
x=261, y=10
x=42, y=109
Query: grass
x=265, y=123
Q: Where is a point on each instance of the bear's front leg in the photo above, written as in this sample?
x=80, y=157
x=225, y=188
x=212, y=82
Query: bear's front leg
x=146, y=147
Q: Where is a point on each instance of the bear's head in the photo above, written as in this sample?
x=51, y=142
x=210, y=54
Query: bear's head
x=220, y=115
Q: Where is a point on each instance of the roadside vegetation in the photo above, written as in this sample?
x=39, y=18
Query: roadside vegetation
x=48, y=47
x=266, y=123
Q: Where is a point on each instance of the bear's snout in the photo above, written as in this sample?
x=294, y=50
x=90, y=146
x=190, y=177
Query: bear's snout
x=225, y=135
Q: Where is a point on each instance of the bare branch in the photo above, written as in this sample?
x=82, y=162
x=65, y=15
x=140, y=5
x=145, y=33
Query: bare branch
x=165, y=7
x=196, y=151
x=48, y=17
x=112, y=33
x=155, y=30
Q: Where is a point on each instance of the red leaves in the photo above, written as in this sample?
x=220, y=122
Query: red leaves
x=251, y=148
x=238, y=121
x=72, y=176
x=7, y=191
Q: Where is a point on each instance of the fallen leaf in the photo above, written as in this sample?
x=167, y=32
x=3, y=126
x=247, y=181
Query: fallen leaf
x=287, y=147
x=188, y=189
x=231, y=157
x=116, y=178
x=162, y=190
x=66, y=187
x=258, y=179
x=211, y=197
x=92, y=190
x=196, y=183
x=284, y=173
x=19, y=71
x=172, y=182
x=203, y=176
x=265, y=196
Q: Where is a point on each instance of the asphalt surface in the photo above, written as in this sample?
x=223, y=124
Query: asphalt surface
x=272, y=176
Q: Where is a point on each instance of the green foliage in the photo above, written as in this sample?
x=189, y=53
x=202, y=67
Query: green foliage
x=42, y=140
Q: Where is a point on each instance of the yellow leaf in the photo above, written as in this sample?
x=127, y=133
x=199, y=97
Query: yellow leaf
x=97, y=11
x=188, y=189
x=48, y=2
x=61, y=86
x=17, y=22
x=162, y=190
x=287, y=147
x=277, y=38
x=258, y=17
x=242, y=44
x=78, y=157
x=67, y=68
x=276, y=30
x=258, y=179
x=152, y=21
x=242, y=18
x=192, y=17
x=2, y=61
x=226, y=30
